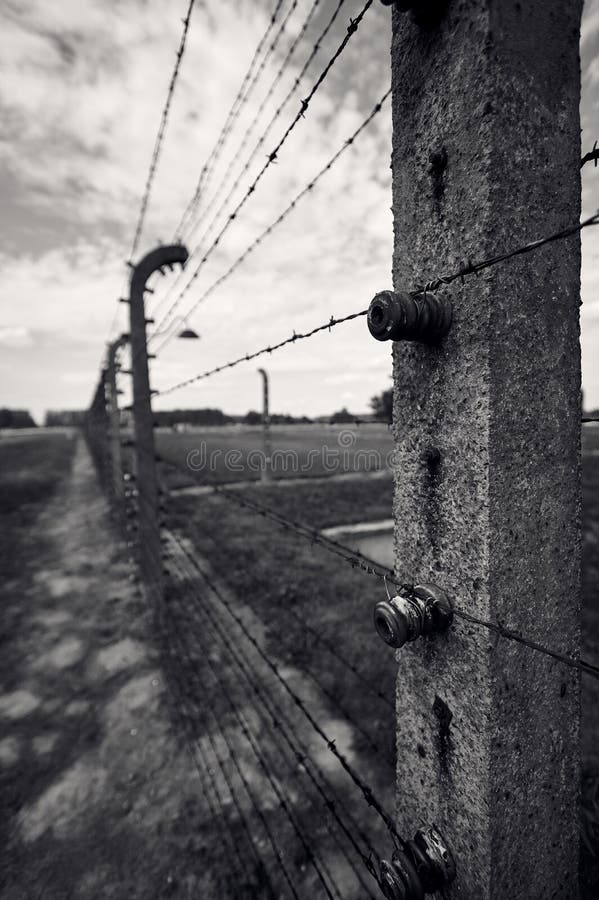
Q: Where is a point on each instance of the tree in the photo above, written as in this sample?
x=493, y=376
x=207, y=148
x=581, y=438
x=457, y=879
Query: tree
x=16, y=418
x=382, y=405
x=342, y=417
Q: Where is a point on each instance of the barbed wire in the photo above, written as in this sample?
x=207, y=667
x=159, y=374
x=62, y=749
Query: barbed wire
x=255, y=150
x=241, y=98
x=462, y=272
x=195, y=748
x=262, y=140
x=470, y=268
x=161, y=132
x=296, y=336
x=364, y=788
x=273, y=86
x=357, y=560
x=285, y=213
x=319, y=867
x=282, y=729
x=272, y=156
x=592, y=156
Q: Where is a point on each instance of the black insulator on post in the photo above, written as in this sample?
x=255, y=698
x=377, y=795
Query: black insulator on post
x=409, y=317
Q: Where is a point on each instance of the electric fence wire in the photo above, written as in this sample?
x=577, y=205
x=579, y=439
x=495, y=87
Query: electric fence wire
x=273, y=155
x=160, y=135
x=272, y=88
x=285, y=213
x=262, y=139
x=320, y=867
x=466, y=269
x=241, y=98
x=283, y=732
x=175, y=686
x=366, y=791
x=155, y=156
x=195, y=200
x=358, y=561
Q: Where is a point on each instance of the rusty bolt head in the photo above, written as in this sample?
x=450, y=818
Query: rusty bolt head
x=441, y=869
x=397, y=621
x=403, y=619
x=399, y=878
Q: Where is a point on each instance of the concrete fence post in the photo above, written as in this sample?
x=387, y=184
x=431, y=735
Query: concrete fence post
x=150, y=550
x=114, y=416
x=266, y=472
x=486, y=157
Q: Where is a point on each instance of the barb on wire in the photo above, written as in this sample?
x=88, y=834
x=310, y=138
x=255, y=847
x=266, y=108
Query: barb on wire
x=222, y=204
x=273, y=155
x=286, y=212
x=592, y=156
x=470, y=268
x=241, y=98
x=284, y=735
x=161, y=132
x=364, y=788
x=296, y=336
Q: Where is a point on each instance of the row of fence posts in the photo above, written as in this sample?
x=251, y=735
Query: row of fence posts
x=103, y=423
x=486, y=152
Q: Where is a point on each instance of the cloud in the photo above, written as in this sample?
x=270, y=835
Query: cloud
x=82, y=87
x=16, y=336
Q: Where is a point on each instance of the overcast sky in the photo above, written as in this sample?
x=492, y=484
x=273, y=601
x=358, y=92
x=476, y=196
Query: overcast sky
x=82, y=87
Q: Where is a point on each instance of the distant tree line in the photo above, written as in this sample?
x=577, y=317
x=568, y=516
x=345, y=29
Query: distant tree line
x=16, y=418
x=206, y=416
x=255, y=418
x=56, y=418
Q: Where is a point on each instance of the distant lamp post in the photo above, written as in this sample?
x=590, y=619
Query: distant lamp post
x=266, y=473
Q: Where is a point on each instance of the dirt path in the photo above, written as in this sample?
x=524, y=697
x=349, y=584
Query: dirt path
x=100, y=797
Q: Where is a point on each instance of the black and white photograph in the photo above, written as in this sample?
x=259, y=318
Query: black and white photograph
x=299, y=450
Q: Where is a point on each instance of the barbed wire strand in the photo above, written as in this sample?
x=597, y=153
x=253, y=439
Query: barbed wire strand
x=272, y=156
x=358, y=561
x=195, y=749
x=181, y=275
x=465, y=270
x=320, y=868
x=336, y=703
x=232, y=753
x=262, y=140
x=245, y=168
x=273, y=86
x=161, y=132
x=469, y=268
x=282, y=730
x=592, y=156
x=330, y=743
x=241, y=98
x=285, y=213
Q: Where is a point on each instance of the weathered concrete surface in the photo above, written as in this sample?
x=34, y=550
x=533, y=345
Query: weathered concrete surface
x=488, y=730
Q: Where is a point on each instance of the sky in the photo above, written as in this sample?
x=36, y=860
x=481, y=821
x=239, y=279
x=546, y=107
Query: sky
x=82, y=88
